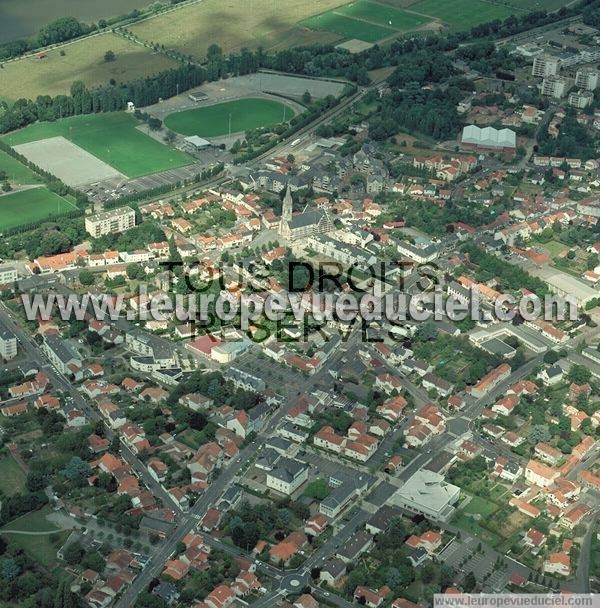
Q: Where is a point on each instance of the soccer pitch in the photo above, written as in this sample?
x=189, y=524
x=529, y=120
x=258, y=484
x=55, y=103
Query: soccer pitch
x=382, y=15
x=111, y=137
x=32, y=205
x=464, y=14
x=348, y=27
x=241, y=115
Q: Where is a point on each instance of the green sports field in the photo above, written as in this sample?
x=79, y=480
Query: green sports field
x=29, y=206
x=348, y=27
x=464, y=14
x=245, y=114
x=111, y=137
x=383, y=15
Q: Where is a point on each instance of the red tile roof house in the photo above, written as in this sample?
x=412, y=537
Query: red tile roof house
x=316, y=525
x=491, y=380
x=14, y=410
x=429, y=541
x=387, y=383
x=534, y=539
x=574, y=516
x=245, y=583
x=158, y=469
x=540, y=474
x=220, y=597
x=392, y=409
x=306, y=601
x=176, y=569
x=372, y=598
x=284, y=551
x=558, y=563
x=210, y=520
x=575, y=390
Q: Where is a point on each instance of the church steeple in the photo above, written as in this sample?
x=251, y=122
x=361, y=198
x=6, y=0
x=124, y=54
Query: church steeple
x=286, y=211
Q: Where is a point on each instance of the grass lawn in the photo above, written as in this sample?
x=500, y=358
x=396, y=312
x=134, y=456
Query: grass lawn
x=31, y=206
x=40, y=548
x=12, y=478
x=193, y=438
x=33, y=522
x=383, y=15
x=82, y=60
x=111, y=137
x=480, y=506
x=348, y=27
x=463, y=14
x=554, y=248
x=233, y=25
x=17, y=172
x=212, y=121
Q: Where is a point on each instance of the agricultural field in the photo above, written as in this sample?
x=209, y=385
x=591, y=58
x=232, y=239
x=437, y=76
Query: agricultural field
x=82, y=60
x=245, y=114
x=16, y=172
x=32, y=205
x=12, y=478
x=233, y=25
x=463, y=14
x=111, y=137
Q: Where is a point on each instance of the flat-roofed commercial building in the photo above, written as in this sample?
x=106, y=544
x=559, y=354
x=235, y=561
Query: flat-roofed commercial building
x=429, y=494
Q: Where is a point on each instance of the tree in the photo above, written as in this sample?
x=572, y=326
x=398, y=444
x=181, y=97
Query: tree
x=109, y=56
x=86, y=277
x=306, y=97
x=9, y=569
x=76, y=470
x=469, y=582
x=134, y=271
x=579, y=374
x=154, y=123
x=551, y=357
x=73, y=553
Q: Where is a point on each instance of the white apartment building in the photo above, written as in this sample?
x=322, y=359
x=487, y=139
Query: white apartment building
x=8, y=274
x=110, y=222
x=545, y=65
x=8, y=343
x=587, y=79
x=581, y=99
x=556, y=87
x=287, y=476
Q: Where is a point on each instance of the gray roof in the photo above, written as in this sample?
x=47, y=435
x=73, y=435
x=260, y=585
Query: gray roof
x=62, y=349
x=334, y=566
x=5, y=332
x=278, y=443
x=355, y=544
x=308, y=218
x=384, y=517
x=268, y=458
x=287, y=469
